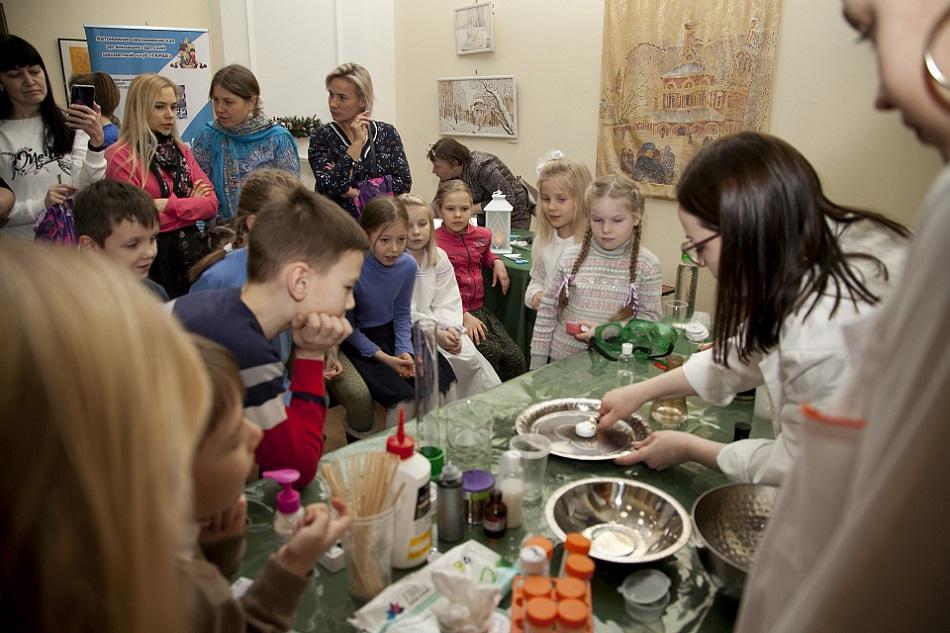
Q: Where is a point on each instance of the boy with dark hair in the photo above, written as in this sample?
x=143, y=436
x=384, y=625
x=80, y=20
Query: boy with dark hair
x=303, y=259
x=121, y=221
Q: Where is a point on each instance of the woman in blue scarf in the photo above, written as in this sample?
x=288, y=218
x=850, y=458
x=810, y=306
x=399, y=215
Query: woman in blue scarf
x=240, y=139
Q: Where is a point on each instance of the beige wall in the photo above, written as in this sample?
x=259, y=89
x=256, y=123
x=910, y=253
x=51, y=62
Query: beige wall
x=824, y=89
x=41, y=22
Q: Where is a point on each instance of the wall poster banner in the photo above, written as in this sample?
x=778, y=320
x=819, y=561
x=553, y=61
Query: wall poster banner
x=179, y=54
x=676, y=75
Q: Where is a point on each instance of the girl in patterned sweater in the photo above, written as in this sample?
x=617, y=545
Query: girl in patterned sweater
x=609, y=277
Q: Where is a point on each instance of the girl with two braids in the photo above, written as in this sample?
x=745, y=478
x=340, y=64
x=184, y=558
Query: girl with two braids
x=608, y=277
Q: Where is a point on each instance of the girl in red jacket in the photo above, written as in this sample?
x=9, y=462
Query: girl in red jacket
x=469, y=248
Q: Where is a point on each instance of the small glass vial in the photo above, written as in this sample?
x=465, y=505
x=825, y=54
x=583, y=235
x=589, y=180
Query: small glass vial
x=541, y=616
x=580, y=567
x=625, y=366
x=495, y=516
x=670, y=412
x=572, y=616
x=546, y=545
x=574, y=543
x=568, y=588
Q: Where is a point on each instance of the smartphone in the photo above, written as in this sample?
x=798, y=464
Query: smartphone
x=84, y=94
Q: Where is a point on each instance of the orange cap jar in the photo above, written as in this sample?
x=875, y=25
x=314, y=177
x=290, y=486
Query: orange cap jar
x=574, y=543
x=572, y=616
x=541, y=616
x=579, y=566
x=568, y=588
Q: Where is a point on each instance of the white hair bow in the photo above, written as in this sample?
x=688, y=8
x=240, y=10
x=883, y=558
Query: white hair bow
x=554, y=154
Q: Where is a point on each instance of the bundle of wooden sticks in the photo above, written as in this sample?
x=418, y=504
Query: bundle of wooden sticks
x=363, y=481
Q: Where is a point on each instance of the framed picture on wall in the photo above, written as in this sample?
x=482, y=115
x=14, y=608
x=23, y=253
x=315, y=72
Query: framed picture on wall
x=473, y=31
x=478, y=106
x=73, y=59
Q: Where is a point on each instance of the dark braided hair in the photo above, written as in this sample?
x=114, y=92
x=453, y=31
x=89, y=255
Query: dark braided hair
x=622, y=188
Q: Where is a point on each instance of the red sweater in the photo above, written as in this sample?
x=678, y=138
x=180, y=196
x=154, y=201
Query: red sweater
x=178, y=212
x=468, y=252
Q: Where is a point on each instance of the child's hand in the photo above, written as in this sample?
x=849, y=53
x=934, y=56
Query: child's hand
x=402, y=364
x=332, y=368
x=316, y=533
x=536, y=300
x=474, y=327
x=500, y=274
x=315, y=333
x=227, y=525
x=449, y=340
x=587, y=331
x=57, y=194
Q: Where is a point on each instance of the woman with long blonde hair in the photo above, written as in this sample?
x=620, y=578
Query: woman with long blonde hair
x=150, y=155
x=102, y=403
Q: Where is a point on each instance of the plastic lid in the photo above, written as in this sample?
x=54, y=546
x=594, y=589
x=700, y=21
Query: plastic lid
x=510, y=463
x=572, y=613
x=576, y=543
x=541, y=611
x=400, y=444
x=645, y=587
x=626, y=349
x=541, y=542
x=579, y=566
x=477, y=481
x=450, y=473
x=436, y=457
x=531, y=556
x=536, y=587
x=696, y=332
x=568, y=588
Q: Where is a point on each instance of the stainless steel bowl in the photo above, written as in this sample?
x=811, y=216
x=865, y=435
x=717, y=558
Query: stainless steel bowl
x=626, y=521
x=728, y=522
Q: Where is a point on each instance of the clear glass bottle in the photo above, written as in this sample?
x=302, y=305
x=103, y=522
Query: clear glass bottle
x=687, y=276
x=670, y=412
x=625, y=363
x=511, y=484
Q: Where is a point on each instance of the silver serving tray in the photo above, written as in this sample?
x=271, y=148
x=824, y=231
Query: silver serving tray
x=556, y=419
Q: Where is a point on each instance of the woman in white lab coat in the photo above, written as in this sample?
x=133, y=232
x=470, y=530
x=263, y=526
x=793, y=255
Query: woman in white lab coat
x=792, y=268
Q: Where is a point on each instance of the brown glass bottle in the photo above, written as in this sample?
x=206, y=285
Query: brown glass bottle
x=495, y=516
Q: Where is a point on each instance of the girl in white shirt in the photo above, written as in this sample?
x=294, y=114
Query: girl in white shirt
x=792, y=269
x=563, y=218
x=436, y=296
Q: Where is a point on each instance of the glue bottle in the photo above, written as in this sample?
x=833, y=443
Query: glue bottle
x=412, y=524
x=288, y=512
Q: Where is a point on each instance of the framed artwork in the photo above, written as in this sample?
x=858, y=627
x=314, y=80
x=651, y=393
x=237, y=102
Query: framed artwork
x=73, y=59
x=473, y=31
x=478, y=106
x=676, y=75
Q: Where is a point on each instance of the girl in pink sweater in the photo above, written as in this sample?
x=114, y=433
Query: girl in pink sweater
x=150, y=155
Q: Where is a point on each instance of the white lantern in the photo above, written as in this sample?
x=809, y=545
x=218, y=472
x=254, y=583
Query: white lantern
x=498, y=221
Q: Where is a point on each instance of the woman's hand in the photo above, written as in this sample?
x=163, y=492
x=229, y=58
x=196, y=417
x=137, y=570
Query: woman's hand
x=81, y=117
x=359, y=133
x=57, y=194
x=201, y=190
x=449, y=340
x=317, y=532
x=659, y=450
x=536, y=300
x=619, y=404
x=500, y=274
x=587, y=331
x=474, y=327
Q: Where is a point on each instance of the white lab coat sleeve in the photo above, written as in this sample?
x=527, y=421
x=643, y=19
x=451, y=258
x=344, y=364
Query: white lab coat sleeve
x=717, y=383
x=446, y=301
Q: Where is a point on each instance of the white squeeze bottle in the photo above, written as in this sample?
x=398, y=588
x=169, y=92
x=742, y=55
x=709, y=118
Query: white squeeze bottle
x=288, y=512
x=511, y=484
x=412, y=525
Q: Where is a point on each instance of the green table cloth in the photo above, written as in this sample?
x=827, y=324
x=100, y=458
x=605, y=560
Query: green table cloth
x=694, y=607
x=510, y=308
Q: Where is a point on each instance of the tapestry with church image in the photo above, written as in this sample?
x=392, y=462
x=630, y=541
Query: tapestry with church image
x=678, y=74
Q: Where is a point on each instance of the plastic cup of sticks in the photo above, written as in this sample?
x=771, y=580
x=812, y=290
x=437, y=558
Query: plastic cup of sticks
x=363, y=481
x=368, y=546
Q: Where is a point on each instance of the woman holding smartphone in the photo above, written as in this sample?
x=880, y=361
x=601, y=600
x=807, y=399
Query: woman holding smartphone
x=355, y=148
x=46, y=153
x=150, y=155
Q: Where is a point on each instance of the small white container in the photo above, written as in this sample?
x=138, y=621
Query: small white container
x=645, y=594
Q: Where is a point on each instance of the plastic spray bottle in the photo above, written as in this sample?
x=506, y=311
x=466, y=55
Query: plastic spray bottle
x=288, y=511
x=412, y=525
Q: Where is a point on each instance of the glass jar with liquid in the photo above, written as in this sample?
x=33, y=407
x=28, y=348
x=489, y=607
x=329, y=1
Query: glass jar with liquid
x=670, y=412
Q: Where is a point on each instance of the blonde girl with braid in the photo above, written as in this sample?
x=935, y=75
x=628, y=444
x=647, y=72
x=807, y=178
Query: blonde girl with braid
x=562, y=218
x=608, y=277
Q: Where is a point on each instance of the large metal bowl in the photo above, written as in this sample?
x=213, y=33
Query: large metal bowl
x=729, y=522
x=626, y=521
